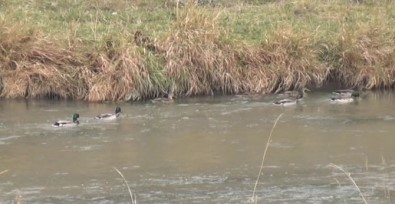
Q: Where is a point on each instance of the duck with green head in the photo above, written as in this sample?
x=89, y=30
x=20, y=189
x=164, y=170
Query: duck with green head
x=110, y=116
x=67, y=123
x=346, y=95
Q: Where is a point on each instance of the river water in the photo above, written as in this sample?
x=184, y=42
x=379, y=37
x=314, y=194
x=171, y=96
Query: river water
x=199, y=150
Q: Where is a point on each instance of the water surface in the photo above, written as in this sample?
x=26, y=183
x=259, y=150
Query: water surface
x=199, y=150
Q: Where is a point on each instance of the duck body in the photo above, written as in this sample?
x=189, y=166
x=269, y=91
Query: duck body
x=67, y=123
x=110, y=116
x=345, y=96
x=286, y=102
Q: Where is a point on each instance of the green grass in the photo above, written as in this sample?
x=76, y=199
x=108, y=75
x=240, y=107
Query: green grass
x=244, y=46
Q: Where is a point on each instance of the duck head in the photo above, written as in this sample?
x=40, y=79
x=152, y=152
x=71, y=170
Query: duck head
x=117, y=110
x=302, y=92
x=75, y=117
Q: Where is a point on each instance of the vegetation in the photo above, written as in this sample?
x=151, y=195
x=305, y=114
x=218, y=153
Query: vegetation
x=100, y=50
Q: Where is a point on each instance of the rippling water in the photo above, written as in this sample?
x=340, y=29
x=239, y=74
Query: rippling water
x=200, y=150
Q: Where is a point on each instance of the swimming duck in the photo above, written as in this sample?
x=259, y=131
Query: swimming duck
x=66, y=123
x=110, y=116
x=346, y=95
x=293, y=99
x=169, y=98
x=295, y=94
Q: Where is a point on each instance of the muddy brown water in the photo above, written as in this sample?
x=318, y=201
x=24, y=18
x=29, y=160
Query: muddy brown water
x=199, y=150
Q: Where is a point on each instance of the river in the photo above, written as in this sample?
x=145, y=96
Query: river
x=200, y=150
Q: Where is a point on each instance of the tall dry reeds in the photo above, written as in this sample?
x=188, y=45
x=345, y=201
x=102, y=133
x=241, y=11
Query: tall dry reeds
x=33, y=65
x=195, y=57
x=201, y=61
x=198, y=50
x=364, y=56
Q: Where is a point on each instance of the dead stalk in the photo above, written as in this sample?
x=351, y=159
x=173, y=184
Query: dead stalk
x=253, y=197
x=18, y=197
x=348, y=174
x=132, y=196
x=3, y=172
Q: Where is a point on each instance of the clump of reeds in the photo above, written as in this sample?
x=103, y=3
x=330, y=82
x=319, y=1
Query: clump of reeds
x=289, y=59
x=114, y=55
x=33, y=65
x=363, y=54
x=195, y=57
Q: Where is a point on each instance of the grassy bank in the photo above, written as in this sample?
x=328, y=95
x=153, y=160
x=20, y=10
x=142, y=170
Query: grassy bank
x=99, y=50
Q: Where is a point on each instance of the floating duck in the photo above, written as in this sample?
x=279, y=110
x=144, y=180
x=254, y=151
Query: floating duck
x=292, y=97
x=66, y=123
x=110, y=116
x=168, y=99
x=345, y=95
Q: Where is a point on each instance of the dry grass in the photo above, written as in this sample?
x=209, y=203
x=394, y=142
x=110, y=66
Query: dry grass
x=87, y=51
x=366, y=55
x=195, y=59
x=33, y=65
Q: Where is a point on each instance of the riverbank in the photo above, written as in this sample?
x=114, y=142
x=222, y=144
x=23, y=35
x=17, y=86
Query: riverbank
x=98, y=51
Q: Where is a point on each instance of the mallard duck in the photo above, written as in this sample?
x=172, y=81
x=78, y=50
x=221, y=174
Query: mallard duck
x=110, y=116
x=66, y=123
x=295, y=94
x=293, y=97
x=169, y=98
x=346, y=95
x=286, y=102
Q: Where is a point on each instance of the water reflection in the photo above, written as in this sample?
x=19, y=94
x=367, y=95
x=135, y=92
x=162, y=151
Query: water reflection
x=199, y=150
